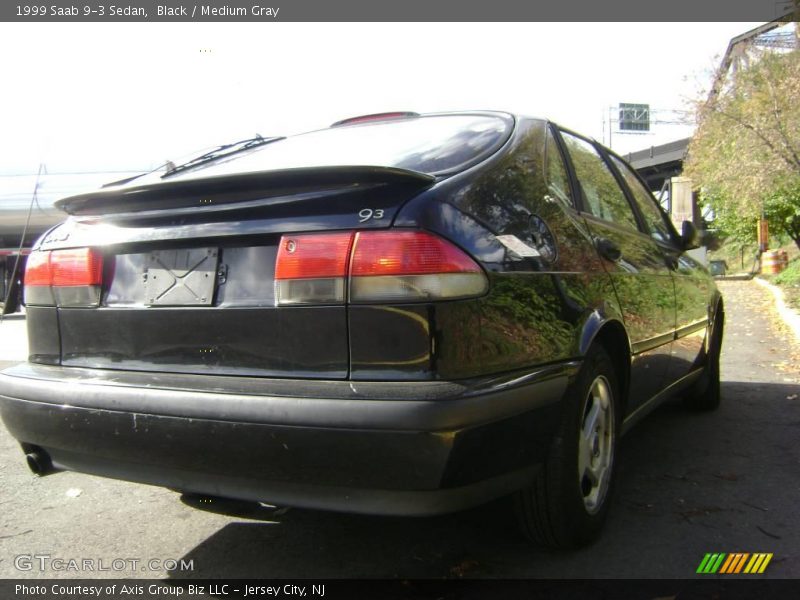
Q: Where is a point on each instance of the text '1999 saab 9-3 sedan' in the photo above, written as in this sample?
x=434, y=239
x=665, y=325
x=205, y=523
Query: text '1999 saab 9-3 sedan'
x=401, y=314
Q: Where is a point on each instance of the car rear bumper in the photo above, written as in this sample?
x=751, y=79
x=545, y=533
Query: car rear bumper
x=383, y=448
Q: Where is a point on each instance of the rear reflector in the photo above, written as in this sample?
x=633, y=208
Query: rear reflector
x=377, y=266
x=64, y=277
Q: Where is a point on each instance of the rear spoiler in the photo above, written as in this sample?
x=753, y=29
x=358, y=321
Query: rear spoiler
x=234, y=191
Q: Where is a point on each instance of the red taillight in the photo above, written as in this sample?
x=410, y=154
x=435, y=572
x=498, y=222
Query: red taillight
x=82, y=266
x=384, y=266
x=312, y=268
x=313, y=256
x=37, y=269
x=407, y=253
x=64, y=277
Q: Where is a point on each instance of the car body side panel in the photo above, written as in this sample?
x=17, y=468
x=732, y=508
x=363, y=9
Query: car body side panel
x=696, y=301
x=643, y=284
x=392, y=342
x=527, y=319
x=538, y=306
x=694, y=287
x=638, y=269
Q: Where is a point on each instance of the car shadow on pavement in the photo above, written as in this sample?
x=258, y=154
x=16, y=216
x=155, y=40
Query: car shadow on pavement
x=689, y=483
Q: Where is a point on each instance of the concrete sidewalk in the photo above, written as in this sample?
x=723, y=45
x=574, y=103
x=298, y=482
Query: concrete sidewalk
x=757, y=336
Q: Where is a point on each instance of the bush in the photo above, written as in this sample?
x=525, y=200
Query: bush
x=790, y=275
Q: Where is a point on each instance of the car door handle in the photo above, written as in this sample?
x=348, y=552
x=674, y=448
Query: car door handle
x=608, y=249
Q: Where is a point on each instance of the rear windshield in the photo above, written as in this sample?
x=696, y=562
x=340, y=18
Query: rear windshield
x=435, y=145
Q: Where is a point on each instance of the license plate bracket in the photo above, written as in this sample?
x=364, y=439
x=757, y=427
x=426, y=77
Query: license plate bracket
x=181, y=277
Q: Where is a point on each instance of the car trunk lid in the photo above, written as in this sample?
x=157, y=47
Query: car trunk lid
x=189, y=271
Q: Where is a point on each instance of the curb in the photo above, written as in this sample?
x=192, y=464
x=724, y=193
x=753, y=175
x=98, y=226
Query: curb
x=740, y=277
x=791, y=318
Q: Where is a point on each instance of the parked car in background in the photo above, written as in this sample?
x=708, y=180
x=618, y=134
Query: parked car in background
x=402, y=314
x=718, y=268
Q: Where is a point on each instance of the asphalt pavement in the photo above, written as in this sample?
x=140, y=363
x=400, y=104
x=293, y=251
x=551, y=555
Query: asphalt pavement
x=727, y=481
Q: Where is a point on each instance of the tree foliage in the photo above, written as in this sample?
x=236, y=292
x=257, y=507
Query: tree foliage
x=745, y=153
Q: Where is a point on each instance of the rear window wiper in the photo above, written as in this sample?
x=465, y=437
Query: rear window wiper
x=222, y=152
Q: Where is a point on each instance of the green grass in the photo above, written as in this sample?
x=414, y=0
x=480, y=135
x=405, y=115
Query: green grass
x=732, y=255
x=789, y=280
x=790, y=275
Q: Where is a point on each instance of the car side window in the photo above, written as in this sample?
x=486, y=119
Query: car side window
x=655, y=220
x=602, y=195
x=557, y=178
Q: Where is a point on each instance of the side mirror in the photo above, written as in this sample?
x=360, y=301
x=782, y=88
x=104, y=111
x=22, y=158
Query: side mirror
x=689, y=236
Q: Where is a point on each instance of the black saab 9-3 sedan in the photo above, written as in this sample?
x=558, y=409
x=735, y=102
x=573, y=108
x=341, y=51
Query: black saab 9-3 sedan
x=402, y=314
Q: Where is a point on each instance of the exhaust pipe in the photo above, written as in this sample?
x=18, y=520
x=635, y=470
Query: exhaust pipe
x=39, y=462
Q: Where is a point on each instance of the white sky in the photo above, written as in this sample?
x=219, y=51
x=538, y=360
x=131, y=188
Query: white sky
x=103, y=96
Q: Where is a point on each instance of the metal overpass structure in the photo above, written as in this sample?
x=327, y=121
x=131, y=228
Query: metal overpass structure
x=657, y=164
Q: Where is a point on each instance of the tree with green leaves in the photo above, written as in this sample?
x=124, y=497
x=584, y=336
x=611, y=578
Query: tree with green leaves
x=745, y=154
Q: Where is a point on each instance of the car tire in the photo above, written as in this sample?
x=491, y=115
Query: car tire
x=705, y=393
x=567, y=503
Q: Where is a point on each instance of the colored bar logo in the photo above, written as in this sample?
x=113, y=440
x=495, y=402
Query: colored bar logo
x=734, y=563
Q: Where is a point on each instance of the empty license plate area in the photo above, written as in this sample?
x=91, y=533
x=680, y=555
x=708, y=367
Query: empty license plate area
x=181, y=277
